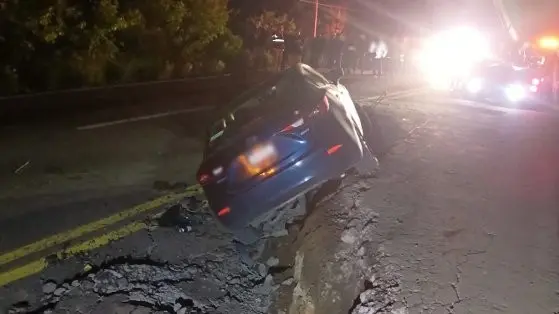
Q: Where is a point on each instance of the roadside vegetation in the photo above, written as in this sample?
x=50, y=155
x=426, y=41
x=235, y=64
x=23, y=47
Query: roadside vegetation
x=61, y=44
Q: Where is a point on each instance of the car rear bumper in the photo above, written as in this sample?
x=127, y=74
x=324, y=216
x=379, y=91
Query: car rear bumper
x=303, y=175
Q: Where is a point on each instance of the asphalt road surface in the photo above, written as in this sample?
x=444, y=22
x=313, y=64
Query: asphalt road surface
x=469, y=207
x=462, y=218
x=65, y=171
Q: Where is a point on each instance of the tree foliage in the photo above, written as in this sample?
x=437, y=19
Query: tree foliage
x=52, y=44
x=272, y=22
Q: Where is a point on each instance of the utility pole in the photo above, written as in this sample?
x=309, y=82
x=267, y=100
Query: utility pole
x=315, y=17
x=317, y=4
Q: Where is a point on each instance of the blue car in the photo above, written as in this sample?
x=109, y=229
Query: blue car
x=277, y=142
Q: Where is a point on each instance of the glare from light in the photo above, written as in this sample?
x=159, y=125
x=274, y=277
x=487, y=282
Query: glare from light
x=452, y=54
x=549, y=42
x=533, y=89
x=515, y=92
x=261, y=154
x=475, y=85
x=438, y=82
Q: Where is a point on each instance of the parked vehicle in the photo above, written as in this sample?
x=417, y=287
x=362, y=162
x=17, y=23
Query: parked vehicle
x=278, y=141
x=503, y=83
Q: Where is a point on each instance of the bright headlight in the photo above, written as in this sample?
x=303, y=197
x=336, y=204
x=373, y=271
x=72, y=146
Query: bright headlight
x=475, y=85
x=453, y=52
x=515, y=92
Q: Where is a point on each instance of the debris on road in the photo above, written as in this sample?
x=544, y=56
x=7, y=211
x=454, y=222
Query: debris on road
x=22, y=167
x=184, y=215
x=378, y=297
x=203, y=271
x=272, y=261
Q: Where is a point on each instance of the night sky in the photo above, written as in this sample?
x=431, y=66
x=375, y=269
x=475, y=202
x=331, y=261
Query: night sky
x=427, y=13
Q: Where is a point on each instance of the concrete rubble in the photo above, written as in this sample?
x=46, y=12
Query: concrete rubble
x=218, y=275
x=224, y=280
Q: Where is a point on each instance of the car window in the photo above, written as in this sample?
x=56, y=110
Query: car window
x=270, y=96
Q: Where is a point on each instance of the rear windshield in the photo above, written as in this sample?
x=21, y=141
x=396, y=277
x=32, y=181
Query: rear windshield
x=250, y=106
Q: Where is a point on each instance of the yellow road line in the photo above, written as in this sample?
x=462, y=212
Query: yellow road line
x=91, y=227
x=22, y=272
x=40, y=264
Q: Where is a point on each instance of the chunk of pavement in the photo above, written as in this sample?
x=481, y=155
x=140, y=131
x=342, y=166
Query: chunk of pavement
x=122, y=282
x=49, y=287
x=364, y=310
x=349, y=236
x=262, y=270
x=298, y=267
x=367, y=296
x=142, y=310
x=273, y=261
x=75, y=283
x=268, y=286
x=182, y=311
x=60, y=291
x=288, y=281
x=177, y=307
x=279, y=233
x=361, y=251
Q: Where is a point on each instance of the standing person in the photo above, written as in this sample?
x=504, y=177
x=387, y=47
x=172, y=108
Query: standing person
x=287, y=51
x=349, y=57
x=297, y=50
x=381, y=51
x=316, y=51
x=329, y=52
x=307, y=51
x=293, y=50
x=338, y=50
x=321, y=50
x=362, y=49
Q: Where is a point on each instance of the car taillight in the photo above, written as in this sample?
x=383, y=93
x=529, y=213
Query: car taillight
x=224, y=211
x=322, y=107
x=293, y=125
x=205, y=178
x=333, y=149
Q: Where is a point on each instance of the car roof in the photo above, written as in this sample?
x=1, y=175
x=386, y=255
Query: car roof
x=300, y=70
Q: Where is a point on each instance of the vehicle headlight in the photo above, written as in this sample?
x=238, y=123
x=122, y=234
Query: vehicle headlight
x=515, y=92
x=475, y=85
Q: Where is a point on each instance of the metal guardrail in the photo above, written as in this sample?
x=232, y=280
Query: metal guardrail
x=189, y=92
x=137, y=94
x=107, y=87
